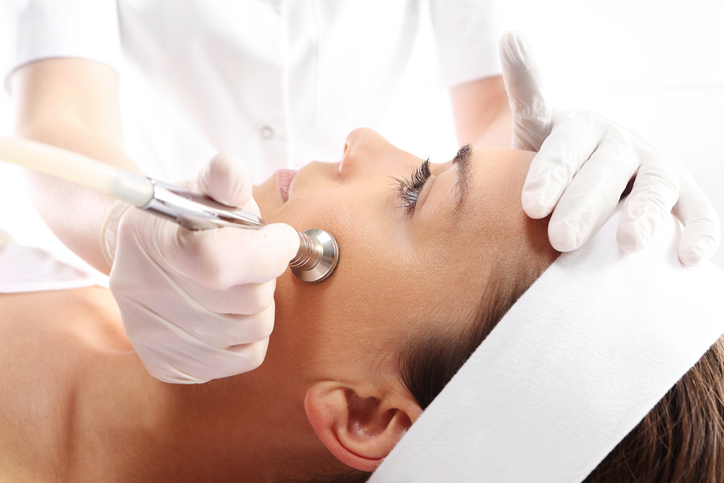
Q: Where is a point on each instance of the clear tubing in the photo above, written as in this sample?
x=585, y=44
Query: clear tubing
x=70, y=166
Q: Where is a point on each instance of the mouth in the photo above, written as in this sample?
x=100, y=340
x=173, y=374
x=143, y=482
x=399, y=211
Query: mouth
x=284, y=180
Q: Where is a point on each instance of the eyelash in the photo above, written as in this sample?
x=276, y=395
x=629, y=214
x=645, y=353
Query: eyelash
x=409, y=188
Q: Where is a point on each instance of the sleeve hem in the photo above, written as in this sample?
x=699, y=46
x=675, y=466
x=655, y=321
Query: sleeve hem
x=90, y=32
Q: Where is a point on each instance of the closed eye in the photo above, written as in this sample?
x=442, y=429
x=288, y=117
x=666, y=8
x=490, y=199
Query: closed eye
x=409, y=188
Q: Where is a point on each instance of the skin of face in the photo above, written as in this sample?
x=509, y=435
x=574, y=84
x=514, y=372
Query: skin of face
x=397, y=268
x=399, y=272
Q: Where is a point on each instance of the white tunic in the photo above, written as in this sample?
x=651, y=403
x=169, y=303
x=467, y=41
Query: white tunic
x=278, y=82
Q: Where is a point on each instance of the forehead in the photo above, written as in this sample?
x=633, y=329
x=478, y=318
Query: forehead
x=496, y=180
x=477, y=209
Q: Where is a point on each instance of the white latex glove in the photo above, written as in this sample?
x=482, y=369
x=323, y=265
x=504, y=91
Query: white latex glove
x=583, y=165
x=198, y=305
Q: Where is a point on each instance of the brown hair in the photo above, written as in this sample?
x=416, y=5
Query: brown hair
x=682, y=438
x=427, y=361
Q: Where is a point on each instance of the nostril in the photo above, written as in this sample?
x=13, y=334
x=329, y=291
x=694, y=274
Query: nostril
x=346, y=145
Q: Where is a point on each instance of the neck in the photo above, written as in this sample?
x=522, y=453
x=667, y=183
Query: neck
x=141, y=429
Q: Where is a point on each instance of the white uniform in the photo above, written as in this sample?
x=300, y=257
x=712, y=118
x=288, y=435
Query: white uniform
x=278, y=82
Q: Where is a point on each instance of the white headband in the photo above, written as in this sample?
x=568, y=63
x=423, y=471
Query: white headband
x=571, y=369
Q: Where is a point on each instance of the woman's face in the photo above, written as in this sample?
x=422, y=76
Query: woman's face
x=404, y=266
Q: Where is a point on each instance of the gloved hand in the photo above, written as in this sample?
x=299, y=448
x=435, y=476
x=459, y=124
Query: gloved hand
x=603, y=157
x=198, y=305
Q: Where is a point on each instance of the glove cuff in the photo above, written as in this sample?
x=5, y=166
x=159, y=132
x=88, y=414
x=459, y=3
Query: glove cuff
x=109, y=230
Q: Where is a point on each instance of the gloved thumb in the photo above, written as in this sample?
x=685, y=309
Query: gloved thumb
x=532, y=119
x=226, y=179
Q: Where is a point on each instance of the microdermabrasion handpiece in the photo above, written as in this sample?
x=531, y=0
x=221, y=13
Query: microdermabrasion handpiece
x=318, y=251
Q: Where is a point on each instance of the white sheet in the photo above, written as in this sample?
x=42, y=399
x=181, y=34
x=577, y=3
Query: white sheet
x=30, y=269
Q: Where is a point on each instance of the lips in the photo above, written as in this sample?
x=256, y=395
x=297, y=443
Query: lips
x=284, y=178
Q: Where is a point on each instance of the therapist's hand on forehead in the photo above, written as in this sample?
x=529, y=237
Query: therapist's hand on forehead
x=198, y=305
x=584, y=164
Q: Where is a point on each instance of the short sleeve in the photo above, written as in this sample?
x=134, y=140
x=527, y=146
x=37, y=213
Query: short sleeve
x=467, y=37
x=41, y=29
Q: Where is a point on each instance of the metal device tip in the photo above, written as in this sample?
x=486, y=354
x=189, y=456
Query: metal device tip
x=317, y=256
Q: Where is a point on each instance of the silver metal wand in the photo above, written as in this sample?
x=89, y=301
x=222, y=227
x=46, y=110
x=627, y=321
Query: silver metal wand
x=318, y=252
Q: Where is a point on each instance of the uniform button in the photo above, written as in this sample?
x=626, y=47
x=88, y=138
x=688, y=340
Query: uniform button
x=267, y=132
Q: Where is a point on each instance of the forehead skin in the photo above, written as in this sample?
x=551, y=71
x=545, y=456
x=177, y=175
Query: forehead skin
x=398, y=273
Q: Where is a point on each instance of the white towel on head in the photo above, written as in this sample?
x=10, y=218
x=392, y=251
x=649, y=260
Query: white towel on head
x=571, y=369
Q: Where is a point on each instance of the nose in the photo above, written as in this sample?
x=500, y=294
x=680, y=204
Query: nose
x=364, y=149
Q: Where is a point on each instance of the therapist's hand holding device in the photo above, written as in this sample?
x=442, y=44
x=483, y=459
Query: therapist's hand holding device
x=195, y=286
x=199, y=305
x=584, y=164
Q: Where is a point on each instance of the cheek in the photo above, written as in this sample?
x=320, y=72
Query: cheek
x=348, y=319
x=378, y=295
x=363, y=219
x=383, y=285
x=334, y=214
x=364, y=302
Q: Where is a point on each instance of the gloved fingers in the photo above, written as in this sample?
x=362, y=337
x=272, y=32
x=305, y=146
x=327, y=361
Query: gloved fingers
x=225, y=330
x=109, y=230
x=531, y=116
x=594, y=192
x=223, y=258
x=217, y=328
x=568, y=147
x=194, y=366
x=172, y=331
x=172, y=355
x=702, y=230
x=226, y=179
x=247, y=299
x=654, y=193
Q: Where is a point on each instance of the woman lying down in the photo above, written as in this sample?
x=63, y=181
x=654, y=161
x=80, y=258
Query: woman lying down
x=353, y=362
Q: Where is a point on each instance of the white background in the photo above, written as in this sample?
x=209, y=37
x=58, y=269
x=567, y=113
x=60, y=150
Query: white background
x=654, y=66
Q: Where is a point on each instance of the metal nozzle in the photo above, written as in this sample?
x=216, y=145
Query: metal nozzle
x=317, y=256
x=318, y=252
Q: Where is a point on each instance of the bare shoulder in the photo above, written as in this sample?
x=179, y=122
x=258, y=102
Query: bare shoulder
x=83, y=312
x=47, y=341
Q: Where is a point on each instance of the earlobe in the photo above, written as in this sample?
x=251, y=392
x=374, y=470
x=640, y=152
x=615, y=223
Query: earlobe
x=358, y=430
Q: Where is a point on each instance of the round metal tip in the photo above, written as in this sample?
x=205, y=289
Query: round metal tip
x=319, y=265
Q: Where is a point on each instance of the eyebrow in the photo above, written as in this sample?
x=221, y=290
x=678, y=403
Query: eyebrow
x=462, y=159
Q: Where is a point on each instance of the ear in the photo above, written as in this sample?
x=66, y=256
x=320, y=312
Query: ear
x=359, y=430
